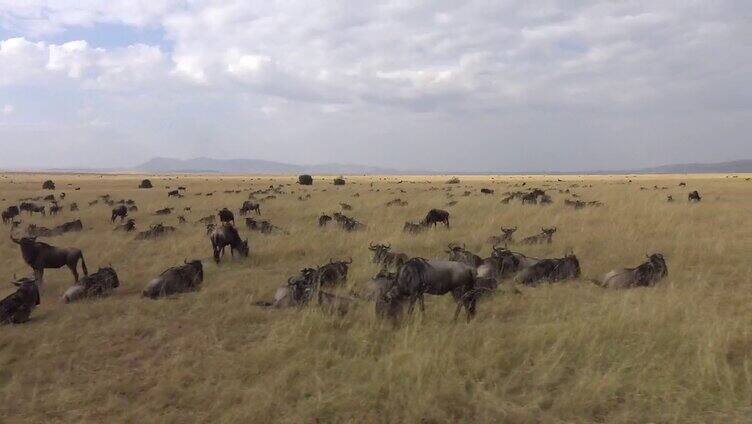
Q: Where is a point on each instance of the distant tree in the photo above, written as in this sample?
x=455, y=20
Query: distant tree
x=305, y=179
x=145, y=184
x=339, y=181
x=454, y=180
x=48, y=185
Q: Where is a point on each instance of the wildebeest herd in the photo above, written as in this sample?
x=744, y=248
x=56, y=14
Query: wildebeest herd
x=403, y=279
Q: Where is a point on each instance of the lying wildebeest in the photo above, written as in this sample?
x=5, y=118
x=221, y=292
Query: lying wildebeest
x=93, y=202
x=263, y=226
x=165, y=211
x=173, y=193
x=207, y=219
x=486, y=191
x=550, y=270
x=297, y=292
x=507, y=236
x=129, y=226
x=9, y=213
x=545, y=236
x=345, y=206
x=16, y=307
x=155, y=231
x=462, y=255
x=348, y=223
x=178, y=279
x=396, y=202
x=435, y=216
x=70, y=226
x=226, y=216
x=389, y=260
x=227, y=235
x=98, y=284
x=694, y=196
x=34, y=230
x=324, y=219
x=413, y=228
x=119, y=212
x=249, y=206
x=332, y=274
x=73, y=207
x=645, y=275
x=31, y=208
x=420, y=276
x=39, y=256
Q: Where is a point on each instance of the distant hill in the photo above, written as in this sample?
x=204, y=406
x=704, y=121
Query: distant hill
x=737, y=166
x=253, y=166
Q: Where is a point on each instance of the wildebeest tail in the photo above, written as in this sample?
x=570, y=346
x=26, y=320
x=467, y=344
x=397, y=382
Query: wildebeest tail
x=83, y=265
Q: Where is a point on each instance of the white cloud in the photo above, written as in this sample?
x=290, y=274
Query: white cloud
x=8, y=109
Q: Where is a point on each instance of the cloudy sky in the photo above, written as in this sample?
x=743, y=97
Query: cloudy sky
x=441, y=85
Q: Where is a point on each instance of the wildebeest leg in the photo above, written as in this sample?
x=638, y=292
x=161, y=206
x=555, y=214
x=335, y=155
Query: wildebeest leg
x=39, y=276
x=422, y=304
x=457, y=310
x=72, y=267
x=412, y=305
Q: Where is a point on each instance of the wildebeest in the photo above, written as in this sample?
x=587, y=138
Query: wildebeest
x=389, y=260
x=145, y=184
x=694, y=196
x=507, y=236
x=226, y=216
x=645, y=275
x=154, y=231
x=332, y=274
x=54, y=209
x=324, y=219
x=227, y=235
x=31, y=208
x=98, y=284
x=73, y=207
x=40, y=256
x=413, y=228
x=16, y=308
x=129, y=226
x=68, y=227
x=669, y=198
x=165, y=211
x=9, y=213
x=263, y=226
x=181, y=219
x=173, y=193
x=48, y=185
x=119, y=212
x=249, y=206
x=420, y=276
x=209, y=219
x=178, y=279
x=345, y=206
x=550, y=270
x=461, y=254
x=379, y=285
x=486, y=191
x=297, y=292
x=396, y=202
x=435, y=216
x=305, y=179
x=545, y=236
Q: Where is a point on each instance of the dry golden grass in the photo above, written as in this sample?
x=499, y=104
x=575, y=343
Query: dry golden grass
x=570, y=352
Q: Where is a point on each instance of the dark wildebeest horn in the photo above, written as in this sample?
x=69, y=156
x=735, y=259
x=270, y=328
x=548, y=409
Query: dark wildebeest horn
x=14, y=240
x=350, y=261
x=370, y=244
x=388, y=246
x=185, y=260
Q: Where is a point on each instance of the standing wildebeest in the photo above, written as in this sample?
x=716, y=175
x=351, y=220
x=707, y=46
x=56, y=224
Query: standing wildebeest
x=226, y=216
x=98, y=284
x=545, y=236
x=173, y=193
x=31, y=208
x=389, y=260
x=332, y=273
x=419, y=276
x=550, y=270
x=40, y=255
x=129, y=226
x=9, y=213
x=73, y=207
x=119, y=212
x=165, y=211
x=462, y=255
x=178, y=279
x=249, y=206
x=54, y=209
x=227, y=235
x=645, y=275
x=324, y=219
x=434, y=216
x=16, y=308
x=694, y=196
x=379, y=285
x=413, y=228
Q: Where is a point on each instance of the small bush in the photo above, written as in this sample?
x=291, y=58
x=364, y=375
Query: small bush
x=48, y=185
x=454, y=180
x=339, y=181
x=145, y=184
x=305, y=179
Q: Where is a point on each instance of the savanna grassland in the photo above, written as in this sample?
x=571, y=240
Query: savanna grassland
x=566, y=352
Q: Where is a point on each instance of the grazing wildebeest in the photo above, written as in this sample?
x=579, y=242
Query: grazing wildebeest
x=98, y=284
x=397, y=202
x=462, y=255
x=249, y=206
x=155, y=231
x=16, y=307
x=694, y=196
x=332, y=274
x=545, y=236
x=165, y=211
x=73, y=207
x=39, y=256
x=226, y=216
x=129, y=226
x=645, y=275
x=119, y=212
x=227, y=235
x=550, y=270
x=9, y=213
x=413, y=228
x=324, y=219
x=434, y=216
x=178, y=279
x=31, y=208
x=507, y=236
x=420, y=276
x=389, y=260
x=173, y=193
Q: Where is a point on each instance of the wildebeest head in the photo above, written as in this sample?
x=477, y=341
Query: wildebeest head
x=379, y=251
x=548, y=231
x=27, y=287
